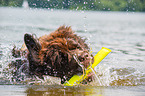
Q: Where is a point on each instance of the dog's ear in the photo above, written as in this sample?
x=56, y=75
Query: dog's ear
x=32, y=44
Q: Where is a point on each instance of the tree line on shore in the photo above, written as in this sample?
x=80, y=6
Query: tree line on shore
x=97, y=5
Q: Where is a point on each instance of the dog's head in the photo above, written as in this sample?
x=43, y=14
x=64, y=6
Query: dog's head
x=54, y=60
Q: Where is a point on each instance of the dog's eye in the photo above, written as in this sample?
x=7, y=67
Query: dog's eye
x=87, y=56
x=78, y=47
x=81, y=58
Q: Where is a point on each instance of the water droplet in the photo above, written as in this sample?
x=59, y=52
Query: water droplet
x=85, y=30
x=77, y=8
x=51, y=9
x=34, y=4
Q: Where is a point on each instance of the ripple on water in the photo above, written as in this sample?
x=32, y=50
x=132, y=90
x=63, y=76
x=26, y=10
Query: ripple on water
x=1, y=54
x=140, y=60
x=127, y=76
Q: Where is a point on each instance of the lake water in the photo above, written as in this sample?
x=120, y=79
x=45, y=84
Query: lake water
x=121, y=73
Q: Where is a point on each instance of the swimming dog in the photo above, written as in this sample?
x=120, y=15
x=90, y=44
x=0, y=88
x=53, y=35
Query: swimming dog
x=55, y=54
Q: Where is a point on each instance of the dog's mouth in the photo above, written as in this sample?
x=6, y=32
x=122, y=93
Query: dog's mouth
x=81, y=69
x=83, y=59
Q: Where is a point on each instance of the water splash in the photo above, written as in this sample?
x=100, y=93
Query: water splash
x=127, y=76
x=106, y=75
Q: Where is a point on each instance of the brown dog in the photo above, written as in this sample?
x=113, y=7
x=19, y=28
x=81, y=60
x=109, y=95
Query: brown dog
x=55, y=54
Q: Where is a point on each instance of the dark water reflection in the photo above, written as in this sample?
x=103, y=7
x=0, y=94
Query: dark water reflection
x=57, y=90
x=50, y=90
x=60, y=91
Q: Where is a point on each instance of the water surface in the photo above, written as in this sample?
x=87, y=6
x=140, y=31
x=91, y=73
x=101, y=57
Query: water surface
x=122, y=32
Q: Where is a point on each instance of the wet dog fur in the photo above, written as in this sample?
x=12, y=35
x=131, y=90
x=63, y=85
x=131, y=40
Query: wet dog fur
x=53, y=54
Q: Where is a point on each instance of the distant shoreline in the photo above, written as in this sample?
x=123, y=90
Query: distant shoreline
x=99, y=5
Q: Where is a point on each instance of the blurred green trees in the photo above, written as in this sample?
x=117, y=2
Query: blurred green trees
x=97, y=5
x=14, y=3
